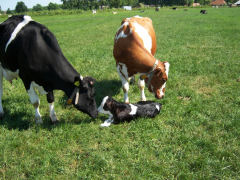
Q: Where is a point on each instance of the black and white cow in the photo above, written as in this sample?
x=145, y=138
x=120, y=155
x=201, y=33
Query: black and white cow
x=29, y=50
x=120, y=112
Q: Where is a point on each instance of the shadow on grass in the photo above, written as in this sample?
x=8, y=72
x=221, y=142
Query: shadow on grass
x=16, y=117
x=107, y=88
x=102, y=89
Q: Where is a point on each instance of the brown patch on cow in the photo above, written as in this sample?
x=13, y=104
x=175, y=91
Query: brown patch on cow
x=163, y=90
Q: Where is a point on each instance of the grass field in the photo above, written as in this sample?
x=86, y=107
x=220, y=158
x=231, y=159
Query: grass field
x=196, y=135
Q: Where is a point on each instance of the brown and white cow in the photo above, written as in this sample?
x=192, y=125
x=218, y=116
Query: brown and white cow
x=134, y=49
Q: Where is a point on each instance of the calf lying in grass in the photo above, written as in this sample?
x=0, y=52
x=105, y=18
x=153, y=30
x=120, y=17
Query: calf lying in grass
x=120, y=112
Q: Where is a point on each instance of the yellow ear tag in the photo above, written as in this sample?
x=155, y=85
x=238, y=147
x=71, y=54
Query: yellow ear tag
x=144, y=76
x=69, y=101
x=77, y=83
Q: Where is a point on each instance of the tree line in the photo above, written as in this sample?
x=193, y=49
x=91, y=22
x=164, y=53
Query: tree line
x=96, y=4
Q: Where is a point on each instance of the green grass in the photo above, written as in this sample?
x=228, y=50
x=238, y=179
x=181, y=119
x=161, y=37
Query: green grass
x=196, y=135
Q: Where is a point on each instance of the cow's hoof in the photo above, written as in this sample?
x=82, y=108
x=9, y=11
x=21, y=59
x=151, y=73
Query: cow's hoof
x=38, y=120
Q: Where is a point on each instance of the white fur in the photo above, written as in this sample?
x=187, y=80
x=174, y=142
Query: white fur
x=122, y=34
x=107, y=123
x=81, y=77
x=36, y=102
x=124, y=80
x=141, y=84
x=133, y=109
x=52, y=112
x=26, y=20
x=158, y=108
x=137, y=16
x=144, y=35
x=167, y=65
x=100, y=108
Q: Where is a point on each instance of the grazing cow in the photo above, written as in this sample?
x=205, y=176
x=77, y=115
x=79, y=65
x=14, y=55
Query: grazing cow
x=120, y=112
x=134, y=49
x=29, y=50
x=203, y=11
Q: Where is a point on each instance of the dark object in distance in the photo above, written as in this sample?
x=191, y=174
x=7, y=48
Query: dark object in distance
x=203, y=11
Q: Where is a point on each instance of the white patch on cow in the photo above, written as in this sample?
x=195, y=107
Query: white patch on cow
x=167, y=65
x=36, y=102
x=141, y=84
x=144, y=35
x=52, y=112
x=123, y=74
x=10, y=75
x=158, y=107
x=122, y=34
x=133, y=109
x=107, y=123
x=137, y=16
x=26, y=20
x=81, y=77
x=161, y=89
x=100, y=108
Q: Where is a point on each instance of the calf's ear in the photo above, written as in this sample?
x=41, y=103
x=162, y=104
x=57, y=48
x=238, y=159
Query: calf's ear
x=91, y=80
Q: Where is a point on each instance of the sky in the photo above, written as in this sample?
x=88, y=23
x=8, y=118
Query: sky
x=5, y=4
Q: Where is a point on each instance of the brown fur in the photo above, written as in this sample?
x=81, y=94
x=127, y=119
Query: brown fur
x=131, y=52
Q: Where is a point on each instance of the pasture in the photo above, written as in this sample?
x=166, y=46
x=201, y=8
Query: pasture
x=196, y=135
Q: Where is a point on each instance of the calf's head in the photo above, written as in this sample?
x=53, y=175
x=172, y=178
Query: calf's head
x=105, y=106
x=158, y=82
x=84, y=99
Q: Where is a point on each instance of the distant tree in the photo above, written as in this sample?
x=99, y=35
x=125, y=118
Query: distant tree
x=37, y=7
x=52, y=6
x=21, y=7
x=9, y=11
x=102, y=3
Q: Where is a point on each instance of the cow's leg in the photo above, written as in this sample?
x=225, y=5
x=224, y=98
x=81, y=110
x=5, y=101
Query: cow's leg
x=123, y=74
x=36, y=103
x=50, y=99
x=1, y=92
x=141, y=85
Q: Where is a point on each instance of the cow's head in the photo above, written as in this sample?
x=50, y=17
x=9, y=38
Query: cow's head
x=84, y=99
x=158, y=82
